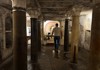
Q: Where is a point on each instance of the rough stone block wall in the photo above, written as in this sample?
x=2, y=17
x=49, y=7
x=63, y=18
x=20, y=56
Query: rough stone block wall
x=87, y=39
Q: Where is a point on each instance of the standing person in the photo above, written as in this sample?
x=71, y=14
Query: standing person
x=57, y=32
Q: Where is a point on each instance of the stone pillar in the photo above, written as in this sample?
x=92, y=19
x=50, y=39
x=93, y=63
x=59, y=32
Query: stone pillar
x=34, y=35
x=42, y=32
x=34, y=40
x=1, y=37
x=66, y=36
x=95, y=40
x=39, y=36
x=62, y=29
x=75, y=35
x=19, y=35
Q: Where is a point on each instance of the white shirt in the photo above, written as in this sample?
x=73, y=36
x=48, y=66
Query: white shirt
x=57, y=31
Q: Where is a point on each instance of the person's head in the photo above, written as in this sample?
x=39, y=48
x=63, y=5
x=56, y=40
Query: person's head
x=56, y=24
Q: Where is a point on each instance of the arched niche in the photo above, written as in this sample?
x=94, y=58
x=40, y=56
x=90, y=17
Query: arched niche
x=8, y=31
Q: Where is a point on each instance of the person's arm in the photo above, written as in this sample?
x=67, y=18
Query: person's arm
x=52, y=32
x=61, y=33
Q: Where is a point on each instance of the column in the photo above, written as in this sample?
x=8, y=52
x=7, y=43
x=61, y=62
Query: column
x=95, y=39
x=62, y=29
x=34, y=40
x=66, y=36
x=19, y=35
x=34, y=36
x=42, y=32
x=75, y=35
x=39, y=36
x=1, y=46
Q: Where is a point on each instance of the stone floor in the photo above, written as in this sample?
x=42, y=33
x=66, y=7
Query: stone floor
x=48, y=60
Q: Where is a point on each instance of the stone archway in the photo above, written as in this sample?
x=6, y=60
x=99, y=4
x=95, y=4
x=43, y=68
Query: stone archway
x=49, y=25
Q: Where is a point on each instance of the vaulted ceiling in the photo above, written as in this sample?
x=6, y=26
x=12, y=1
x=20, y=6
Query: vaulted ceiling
x=53, y=9
x=57, y=9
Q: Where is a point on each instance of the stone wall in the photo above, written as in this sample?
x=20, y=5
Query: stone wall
x=5, y=25
x=85, y=29
x=84, y=40
x=5, y=2
x=87, y=39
